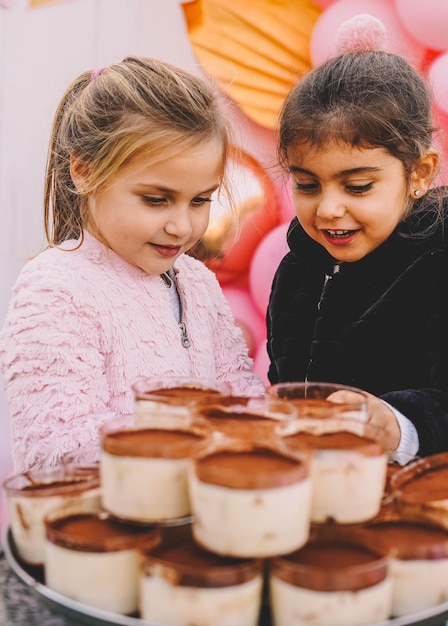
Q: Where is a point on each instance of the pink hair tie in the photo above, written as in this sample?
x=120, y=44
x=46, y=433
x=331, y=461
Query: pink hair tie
x=96, y=73
x=361, y=33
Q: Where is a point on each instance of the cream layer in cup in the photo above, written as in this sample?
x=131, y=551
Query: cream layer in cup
x=33, y=495
x=183, y=584
x=94, y=559
x=250, y=499
x=419, y=562
x=348, y=473
x=144, y=471
x=173, y=397
x=249, y=418
x=330, y=581
x=421, y=489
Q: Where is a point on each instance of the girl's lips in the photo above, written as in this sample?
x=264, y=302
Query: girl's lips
x=339, y=237
x=166, y=251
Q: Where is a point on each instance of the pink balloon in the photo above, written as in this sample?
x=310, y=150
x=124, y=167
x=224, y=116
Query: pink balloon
x=285, y=201
x=246, y=316
x=264, y=263
x=438, y=79
x=399, y=41
x=425, y=21
x=261, y=362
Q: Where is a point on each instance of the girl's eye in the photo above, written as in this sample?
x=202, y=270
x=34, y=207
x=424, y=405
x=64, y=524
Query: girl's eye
x=154, y=200
x=200, y=201
x=306, y=187
x=359, y=189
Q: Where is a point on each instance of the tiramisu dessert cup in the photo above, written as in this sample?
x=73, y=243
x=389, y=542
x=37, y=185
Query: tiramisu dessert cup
x=392, y=468
x=250, y=499
x=331, y=581
x=321, y=406
x=251, y=418
x=32, y=495
x=348, y=471
x=157, y=399
x=419, y=561
x=144, y=471
x=96, y=560
x=421, y=488
x=184, y=584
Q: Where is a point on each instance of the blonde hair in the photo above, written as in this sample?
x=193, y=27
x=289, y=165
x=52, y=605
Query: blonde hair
x=108, y=117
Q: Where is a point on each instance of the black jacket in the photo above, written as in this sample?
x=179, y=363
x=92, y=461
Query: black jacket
x=380, y=324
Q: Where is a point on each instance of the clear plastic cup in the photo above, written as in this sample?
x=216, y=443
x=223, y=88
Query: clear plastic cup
x=419, y=557
x=95, y=559
x=181, y=583
x=337, y=577
x=172, y=396
x=144, y=470
x=31, y=496
x=348, y=468
x=319, y=404
x=239, y=493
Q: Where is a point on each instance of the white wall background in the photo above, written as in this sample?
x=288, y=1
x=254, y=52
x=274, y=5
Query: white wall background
x=41, y=51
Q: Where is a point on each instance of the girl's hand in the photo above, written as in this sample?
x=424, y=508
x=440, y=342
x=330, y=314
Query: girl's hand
x=387, y=429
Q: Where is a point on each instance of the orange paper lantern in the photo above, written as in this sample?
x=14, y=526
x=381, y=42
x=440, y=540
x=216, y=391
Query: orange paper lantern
x=255, y=48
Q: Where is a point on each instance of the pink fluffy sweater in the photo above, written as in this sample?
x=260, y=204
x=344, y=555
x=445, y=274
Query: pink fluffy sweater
x=83, y=325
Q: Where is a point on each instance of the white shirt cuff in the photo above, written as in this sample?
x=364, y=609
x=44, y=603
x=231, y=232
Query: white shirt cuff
x=409, y=443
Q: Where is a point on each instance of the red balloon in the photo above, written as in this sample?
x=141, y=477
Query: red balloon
x=260, y=215
x=438, y=78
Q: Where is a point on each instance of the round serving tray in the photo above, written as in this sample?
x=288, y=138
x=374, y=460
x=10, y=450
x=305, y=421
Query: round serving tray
x=33, y=578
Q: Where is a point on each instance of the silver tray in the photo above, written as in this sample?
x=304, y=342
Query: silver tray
x=33, y=577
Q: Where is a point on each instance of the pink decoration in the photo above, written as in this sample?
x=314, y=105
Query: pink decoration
x=96, y=73
x=285, y=202
x=246, y=315
x=398, y=40
x=362, y=32
x=324, y=3
x=265, y=261
x=425, y=21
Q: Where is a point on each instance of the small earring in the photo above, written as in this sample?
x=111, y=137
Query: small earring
x=417, y=192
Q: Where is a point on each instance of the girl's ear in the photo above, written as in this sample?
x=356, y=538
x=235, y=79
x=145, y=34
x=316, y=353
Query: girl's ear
x=78, y=172
x=423, y=173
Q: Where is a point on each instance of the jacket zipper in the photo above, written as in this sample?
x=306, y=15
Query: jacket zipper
x=183, y=327
x=327, y=279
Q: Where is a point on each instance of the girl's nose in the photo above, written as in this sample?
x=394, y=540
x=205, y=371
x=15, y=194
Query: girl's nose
x=179, y=223
x=331, y=205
